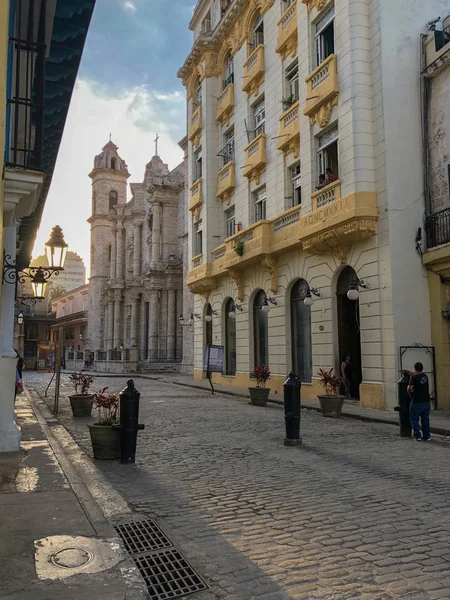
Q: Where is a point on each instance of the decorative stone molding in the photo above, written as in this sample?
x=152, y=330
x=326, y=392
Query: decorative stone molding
x=323, y=115
x=239, y=281
x=271, y=265
x=338, y=240
x=203, y=286
x=310, y=4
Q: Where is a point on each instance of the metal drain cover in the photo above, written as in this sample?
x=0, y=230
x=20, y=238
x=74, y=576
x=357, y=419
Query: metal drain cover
x=168, y=575
x=142, y=536
x=71, y=558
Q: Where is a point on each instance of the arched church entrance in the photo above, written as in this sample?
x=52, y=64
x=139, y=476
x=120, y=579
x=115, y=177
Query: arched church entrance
x=349, y=332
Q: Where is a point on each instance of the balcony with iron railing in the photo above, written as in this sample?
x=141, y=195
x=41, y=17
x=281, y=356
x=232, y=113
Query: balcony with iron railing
x=287, y=32
x=225, y=106
x=322, y=91
x=289, y=139
x=437, y=50
x=438, y=228
x=254, y=71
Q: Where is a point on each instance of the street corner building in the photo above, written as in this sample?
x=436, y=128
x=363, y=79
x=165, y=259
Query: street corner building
x=309, y=224
x=41, y=43
x=136, y=291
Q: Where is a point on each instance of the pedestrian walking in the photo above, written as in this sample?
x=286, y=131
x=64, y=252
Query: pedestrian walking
x=419, y=409
x=20, y=365
x=347, y=375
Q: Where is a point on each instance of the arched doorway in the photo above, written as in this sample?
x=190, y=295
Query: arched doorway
x=260, y=330
x=301, y=332
x=349, y=326
x=230, y=337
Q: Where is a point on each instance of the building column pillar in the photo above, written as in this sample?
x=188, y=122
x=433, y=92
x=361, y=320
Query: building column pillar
x=156, y=233
x=153, y=326
x=143, y=336
x=171, y=323
x=112, y=266
x=117, y=322
x=119, y=251
x=137, y=251
x=110, y=341
x=134, y=318
x=9, y=431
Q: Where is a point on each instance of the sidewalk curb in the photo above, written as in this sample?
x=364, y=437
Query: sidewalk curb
x=366, y=418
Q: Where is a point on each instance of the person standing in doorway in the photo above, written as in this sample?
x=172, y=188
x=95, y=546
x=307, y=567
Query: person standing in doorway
x=347, y=374
x=418, y=390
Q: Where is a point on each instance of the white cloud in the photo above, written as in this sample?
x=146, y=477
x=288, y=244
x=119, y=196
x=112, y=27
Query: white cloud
x=133, y=119
x=130, y=6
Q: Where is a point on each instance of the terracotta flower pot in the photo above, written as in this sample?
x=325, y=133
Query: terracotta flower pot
x=258, y=396
x=81, y=404
x=105, y=442
x=331, y=405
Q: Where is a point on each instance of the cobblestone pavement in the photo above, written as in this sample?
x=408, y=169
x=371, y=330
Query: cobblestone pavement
x=355, y=512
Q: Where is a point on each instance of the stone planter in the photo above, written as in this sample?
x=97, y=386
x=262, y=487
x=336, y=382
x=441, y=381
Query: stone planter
x=331, y=405
x=81, y=404
x=105, y=442
x=258, y=396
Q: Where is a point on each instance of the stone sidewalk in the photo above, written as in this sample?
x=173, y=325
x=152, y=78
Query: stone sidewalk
x=50, y=523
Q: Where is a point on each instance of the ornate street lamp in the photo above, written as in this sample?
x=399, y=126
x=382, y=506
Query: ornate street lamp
x=309, y=300
x=20, y=318
x=56, y=249
x=353, y=291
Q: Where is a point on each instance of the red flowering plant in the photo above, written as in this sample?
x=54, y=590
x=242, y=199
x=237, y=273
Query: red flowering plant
x=261, y=373
x=82, y=381
x=329, y=381
x=107, y=406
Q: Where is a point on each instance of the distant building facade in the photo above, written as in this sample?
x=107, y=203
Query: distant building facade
x=73, y=275
x=137, y=248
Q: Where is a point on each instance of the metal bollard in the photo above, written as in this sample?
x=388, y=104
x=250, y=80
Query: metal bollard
x=291, y=388
x=129, y=423
x=403, y=406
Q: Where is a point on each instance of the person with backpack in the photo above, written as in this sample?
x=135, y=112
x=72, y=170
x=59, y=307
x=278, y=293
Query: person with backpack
x=419, y=409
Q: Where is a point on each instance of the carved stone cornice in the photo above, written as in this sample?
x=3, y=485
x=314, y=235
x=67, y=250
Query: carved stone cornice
x=238, y=279
x=338, y=240
x=203, y=286
x=270, y=264
x=323, y=115
x=310, y=4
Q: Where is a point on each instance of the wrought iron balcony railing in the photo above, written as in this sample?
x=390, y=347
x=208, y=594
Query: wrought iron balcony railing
x=438, y=228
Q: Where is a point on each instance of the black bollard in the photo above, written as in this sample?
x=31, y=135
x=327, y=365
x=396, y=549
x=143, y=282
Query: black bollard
x=403, y=406
x=291, y=388
x=129, y=423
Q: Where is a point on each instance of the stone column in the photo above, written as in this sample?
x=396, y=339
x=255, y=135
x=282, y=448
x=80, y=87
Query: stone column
x=137, y=250
x=156, y=233
x=154, y=317
x=146, y=246
x=119, y=251
x=117, y=323
x=110, y=342
x=112, y=266
x=171, y=323
x=9, y=431
x=134, y=318
x=143, y=334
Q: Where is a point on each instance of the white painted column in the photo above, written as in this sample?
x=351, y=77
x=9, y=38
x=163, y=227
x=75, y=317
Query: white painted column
x=156, y=233
x=9, y=431
x=134, y=318
x=171, y=323
x=153, y=326
x=137, y=250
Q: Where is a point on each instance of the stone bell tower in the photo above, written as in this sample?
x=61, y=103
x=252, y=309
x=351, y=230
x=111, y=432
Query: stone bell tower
x=109, y=195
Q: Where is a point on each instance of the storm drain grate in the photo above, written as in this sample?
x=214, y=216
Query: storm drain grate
x=142, y=536
x=168, y=575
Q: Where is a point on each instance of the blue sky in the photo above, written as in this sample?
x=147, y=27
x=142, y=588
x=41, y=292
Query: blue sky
x=127, y=86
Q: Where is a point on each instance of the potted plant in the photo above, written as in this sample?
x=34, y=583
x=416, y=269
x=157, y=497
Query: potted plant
x=81, y=403
x=288, y=102
x=239, y=248
x=330, y=402
x=259, y=394
x=105, y=440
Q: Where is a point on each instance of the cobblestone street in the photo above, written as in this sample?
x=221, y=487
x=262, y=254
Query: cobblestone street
x=355, y=512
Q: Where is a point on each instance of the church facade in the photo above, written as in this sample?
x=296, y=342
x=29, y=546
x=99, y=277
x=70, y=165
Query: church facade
x=136, y=294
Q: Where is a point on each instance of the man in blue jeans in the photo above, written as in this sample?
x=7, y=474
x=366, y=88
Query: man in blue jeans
x=419, y=408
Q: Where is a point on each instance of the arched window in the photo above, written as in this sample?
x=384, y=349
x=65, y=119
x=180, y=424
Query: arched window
x=230, y=338
x=112, y=199
x=113, y=163
x=301, y=332
x=260, y=330
x=258, y=31
x=229, y=71
x=208, y=326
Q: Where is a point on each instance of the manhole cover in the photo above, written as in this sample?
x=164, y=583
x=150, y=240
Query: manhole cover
x=71, y=558
x=142, y=536
x=168, y=575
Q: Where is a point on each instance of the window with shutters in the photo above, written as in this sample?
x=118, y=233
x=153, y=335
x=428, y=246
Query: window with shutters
x=324, y=38
x=259, y=200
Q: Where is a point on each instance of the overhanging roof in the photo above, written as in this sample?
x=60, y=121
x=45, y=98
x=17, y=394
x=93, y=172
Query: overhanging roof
x=70, y=27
